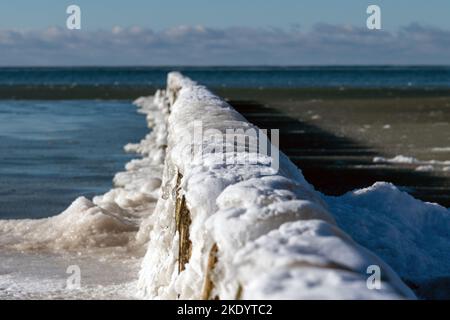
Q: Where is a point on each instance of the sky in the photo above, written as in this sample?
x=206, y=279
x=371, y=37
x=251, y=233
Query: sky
x=232, y=32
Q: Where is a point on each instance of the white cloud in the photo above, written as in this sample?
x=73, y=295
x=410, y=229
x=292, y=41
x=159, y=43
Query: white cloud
x=199, y=45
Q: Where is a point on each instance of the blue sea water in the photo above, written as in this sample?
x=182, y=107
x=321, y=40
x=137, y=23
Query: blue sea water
x=252, y=77
x=51, y=152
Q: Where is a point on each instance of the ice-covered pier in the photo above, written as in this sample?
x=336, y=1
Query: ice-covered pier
x=242, y=229
x=213, y=210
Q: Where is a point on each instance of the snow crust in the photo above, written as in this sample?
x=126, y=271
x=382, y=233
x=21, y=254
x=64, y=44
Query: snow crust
x=274, y=233
x=105, y=237
x=411, y=235
x=109, y=220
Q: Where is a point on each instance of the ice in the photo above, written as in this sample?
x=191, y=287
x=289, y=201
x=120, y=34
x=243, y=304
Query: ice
x=411, y=235
x=210, y=229
x=421, y=165
x=441, y=149
x=408, y=160
x=426, y=168
x=109, y=220
x=106, y=236
x=82, y=225
x=396, y=159
x=38, y=275
x=270, y=227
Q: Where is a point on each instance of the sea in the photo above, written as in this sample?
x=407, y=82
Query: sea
x=51, y=152
x=236, y=77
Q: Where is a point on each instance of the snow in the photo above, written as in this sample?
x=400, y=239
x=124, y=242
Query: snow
x=426, y=168
x=39, y=275
x=314, y=284
x=396, y=159
x=271, y=227
x=308, y=250
x=421, y=165
x=441, y=149
x=408, y=160
x=82, y=225
x=410, y=235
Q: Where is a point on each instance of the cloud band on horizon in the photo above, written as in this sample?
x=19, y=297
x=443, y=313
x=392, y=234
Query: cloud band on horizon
x=324, y=44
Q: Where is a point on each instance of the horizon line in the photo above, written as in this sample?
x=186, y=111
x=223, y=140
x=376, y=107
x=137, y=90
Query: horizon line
x=234, y=66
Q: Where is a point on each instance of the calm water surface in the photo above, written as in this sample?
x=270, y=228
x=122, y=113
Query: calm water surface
x=53, y=152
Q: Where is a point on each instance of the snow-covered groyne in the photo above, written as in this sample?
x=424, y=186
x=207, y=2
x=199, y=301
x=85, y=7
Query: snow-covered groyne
x=225, y=218
x=241, y=229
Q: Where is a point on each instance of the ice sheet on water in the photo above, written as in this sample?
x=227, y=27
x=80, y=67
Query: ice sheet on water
x=37, y=275
x=420, y=165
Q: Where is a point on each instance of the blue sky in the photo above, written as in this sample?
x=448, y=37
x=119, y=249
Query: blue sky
x=151, y=32
x=160, y=14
